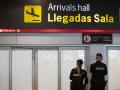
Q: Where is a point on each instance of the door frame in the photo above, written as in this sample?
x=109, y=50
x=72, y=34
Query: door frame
x=34, y=49
x=86, y=58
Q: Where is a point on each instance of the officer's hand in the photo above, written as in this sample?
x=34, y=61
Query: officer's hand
x=78, y=69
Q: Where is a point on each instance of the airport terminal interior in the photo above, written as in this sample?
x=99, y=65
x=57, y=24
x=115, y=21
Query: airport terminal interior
x=43, y=61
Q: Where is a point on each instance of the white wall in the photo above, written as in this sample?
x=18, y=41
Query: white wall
x=7, y=38
x=41, y=38
x=116, y=39
x=47, y=38
x=55, y=39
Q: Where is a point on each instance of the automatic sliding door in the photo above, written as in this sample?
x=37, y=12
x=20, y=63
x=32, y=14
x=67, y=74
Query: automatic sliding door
x=4, y=69
x=22, y=69
x=69, y=55
x=47, y=69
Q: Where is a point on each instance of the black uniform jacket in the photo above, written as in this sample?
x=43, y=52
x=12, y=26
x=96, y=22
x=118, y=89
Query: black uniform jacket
x=77, y=79
x=98, y=70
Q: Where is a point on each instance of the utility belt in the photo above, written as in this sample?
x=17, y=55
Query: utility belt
x=76, y=84
x=98, y=82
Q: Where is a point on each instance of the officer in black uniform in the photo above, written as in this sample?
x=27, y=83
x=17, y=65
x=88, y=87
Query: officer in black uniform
x=98, y=70
x=78, y=75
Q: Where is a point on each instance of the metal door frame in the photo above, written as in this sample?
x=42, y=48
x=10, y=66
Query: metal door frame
x=86, y=58
x=35, y=49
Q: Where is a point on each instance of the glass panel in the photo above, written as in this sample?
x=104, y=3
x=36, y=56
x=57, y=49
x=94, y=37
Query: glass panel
x=4, y=70
x=113, y=72
x=47, y=70
x=22, y=70
x=68, y=62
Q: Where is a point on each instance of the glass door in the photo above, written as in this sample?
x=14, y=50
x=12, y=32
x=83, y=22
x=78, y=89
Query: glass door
x=4, y=69
x=21, y=69
x=44, y=68
x=113, y=68
x=47, y=69
x=69, y=56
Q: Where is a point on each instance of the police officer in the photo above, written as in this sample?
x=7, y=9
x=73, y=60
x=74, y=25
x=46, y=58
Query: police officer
x=98, y=70
x=78, y=75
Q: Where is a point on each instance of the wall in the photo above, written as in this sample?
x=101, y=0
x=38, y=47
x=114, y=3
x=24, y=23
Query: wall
x=40, y=38
x=55, y=39
x=47, y=38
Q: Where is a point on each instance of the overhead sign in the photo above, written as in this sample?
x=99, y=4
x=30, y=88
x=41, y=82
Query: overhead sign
x=32, y=14
x=60, y=14
x=97, y=38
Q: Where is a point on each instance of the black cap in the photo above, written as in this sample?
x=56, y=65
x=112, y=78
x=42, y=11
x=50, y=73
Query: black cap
x=99, y=54
x=79, y=61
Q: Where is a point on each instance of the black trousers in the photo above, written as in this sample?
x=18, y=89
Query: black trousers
x=79, y=88
x=95, y=86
